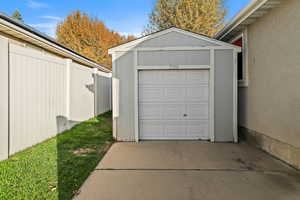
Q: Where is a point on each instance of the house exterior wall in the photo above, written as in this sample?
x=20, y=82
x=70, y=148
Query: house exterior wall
x=123, y=72
x=270, y=105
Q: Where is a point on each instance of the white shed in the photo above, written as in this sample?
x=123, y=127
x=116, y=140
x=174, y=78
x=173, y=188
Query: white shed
x=175, y=85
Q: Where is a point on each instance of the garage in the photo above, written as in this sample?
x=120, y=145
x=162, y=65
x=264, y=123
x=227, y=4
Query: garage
x=175, y=85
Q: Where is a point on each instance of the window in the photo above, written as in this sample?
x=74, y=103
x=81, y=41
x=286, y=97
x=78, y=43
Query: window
x=242, y=75
x=240, y=66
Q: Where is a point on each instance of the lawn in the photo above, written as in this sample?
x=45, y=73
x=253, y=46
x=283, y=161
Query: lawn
x=56, y=168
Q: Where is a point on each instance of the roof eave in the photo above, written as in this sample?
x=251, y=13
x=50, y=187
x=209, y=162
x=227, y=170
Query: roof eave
x=133, y=44
x=32, y=35
x=253, y=11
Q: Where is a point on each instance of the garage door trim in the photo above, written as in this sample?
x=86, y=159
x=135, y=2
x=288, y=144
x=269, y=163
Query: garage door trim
x=210, y=68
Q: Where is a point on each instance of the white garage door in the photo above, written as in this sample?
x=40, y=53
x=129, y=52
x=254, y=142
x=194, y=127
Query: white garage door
x=173, y=104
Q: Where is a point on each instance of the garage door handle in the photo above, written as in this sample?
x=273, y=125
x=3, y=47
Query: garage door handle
x=185, y=115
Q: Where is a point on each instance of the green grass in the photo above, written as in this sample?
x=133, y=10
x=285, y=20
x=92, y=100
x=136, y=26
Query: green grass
x=56, y=168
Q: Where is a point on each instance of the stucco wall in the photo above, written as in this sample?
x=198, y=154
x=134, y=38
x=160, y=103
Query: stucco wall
x=271, y=103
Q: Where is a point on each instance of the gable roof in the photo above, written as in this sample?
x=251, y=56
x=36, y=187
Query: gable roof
x=17, y=29
x=129, y=45
x=253, y=11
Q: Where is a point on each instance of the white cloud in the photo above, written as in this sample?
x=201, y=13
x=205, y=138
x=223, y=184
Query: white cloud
x=36, y=4
x=135, y=34
x=56, y=18
x=48, y=28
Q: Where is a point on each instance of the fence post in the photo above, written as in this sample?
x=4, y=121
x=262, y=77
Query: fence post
x=95, y=72
x=4, y=100
x=68, y=88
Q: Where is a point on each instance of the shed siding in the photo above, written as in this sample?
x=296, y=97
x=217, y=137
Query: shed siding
x=173, y=58
x=124, y=72
x=224, y=95
x=175, y=39
x=4, y=98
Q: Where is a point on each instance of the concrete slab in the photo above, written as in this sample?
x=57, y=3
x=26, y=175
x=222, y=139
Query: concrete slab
x=190, y=170
x=189, y=185
x=188, y=155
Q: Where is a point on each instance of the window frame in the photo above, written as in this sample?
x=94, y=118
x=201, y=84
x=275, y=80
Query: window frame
x=244, y=35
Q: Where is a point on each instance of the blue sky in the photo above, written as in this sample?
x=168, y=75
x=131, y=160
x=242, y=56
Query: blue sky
x=124, y=16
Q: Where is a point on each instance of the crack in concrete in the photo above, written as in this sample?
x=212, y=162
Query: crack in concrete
x=191, y=169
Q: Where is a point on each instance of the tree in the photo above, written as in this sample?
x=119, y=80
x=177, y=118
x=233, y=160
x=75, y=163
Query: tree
x=89, y=36
x=17, y=15
x=200, y=16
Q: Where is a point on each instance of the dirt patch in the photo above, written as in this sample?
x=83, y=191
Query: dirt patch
x=249, y=166
x=105, y=147
x=83, y=151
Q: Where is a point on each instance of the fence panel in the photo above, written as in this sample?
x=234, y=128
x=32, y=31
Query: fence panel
x=103, y=98
x=4, y=98
x=44, y=94
x=81, y=93
x=37, y=96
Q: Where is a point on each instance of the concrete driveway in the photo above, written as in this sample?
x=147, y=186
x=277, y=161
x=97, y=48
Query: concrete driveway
x=190, y=170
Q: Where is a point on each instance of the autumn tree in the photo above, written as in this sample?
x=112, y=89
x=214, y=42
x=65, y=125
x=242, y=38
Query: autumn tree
x=200, y=16
x=17, y=15
x=89, y=37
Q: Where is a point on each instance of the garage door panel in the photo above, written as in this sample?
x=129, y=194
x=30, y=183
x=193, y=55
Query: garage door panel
x=197, y=111
x=198, y=128
x=200, y=93
x=150, y=111
x=174, y=94
x=161, y=111
x=173, y=111
x=170, y=77
x=151, y=129
x=149, y=78
x=175, y=129
x=147, y=94
x=197, y=77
